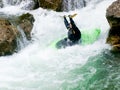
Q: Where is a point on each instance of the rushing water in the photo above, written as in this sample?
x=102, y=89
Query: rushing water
x=23, y=4
x=40, y=67
x=72, y=4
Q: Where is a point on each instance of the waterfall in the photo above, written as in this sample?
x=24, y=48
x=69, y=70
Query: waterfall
x=74, y=4
x=22, y=40
x=1, y=4
x=24, y=4
x=11, y=2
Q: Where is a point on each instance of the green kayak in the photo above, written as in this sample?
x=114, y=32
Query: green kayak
x=87, y=37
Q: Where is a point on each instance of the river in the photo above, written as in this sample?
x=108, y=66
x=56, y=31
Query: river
x=40, y=67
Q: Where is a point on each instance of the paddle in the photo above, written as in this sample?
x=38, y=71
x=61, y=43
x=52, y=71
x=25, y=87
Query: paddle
x=72, y=16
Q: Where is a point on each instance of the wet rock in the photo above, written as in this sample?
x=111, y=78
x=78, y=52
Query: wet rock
x=62, y=5
x=8, y=36
x=113, y=17
x=26, y=24
x=51, y=4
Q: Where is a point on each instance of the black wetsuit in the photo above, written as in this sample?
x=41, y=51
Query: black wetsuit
x=74, y=33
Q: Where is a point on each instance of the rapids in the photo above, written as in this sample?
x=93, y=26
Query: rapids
x=39, y=67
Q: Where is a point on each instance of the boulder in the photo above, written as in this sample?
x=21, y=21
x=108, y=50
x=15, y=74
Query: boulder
x=9, y=33
x=113, y=17
x=25, y=22
x=8, y=36
x=51, y=4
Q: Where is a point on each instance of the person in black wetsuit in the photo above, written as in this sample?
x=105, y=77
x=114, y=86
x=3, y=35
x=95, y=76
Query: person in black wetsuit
x=74, y=34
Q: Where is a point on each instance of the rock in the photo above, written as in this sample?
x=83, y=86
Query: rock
x=62, y=5
x=13, y=2
x=113, y=17
x=26, y=24
x=9, y=33
x=114, y=9
x=51, y=4
x=8, y=36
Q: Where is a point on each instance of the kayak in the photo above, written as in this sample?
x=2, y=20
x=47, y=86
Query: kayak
x=87, y=37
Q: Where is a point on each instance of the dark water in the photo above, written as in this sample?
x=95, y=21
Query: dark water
x=101, y=72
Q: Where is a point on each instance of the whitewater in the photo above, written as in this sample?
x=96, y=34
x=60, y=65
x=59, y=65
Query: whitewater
x=37, y=66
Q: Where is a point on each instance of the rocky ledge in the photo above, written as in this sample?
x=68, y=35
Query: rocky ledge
x=9, y=33
x=113, y=17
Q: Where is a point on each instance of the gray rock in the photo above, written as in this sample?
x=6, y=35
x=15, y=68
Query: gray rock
x=51, y=4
